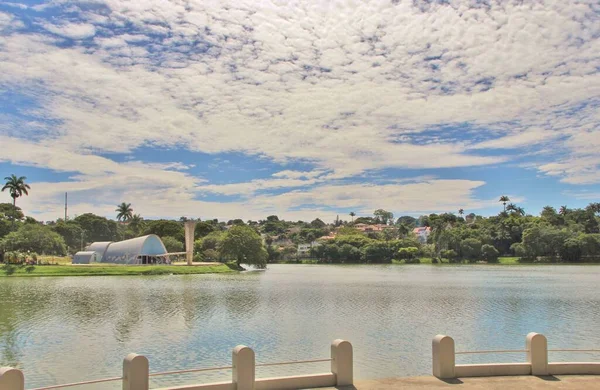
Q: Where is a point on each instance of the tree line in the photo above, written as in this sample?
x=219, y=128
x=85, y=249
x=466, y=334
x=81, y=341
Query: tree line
x=569, y=235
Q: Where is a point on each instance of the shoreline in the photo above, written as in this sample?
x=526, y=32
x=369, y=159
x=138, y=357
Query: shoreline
x=116, y=270
x=502, y=261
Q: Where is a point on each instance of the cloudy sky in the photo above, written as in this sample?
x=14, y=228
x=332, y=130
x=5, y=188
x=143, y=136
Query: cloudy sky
x=245, y=108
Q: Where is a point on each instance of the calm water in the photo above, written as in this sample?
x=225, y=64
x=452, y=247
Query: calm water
x=68, y=329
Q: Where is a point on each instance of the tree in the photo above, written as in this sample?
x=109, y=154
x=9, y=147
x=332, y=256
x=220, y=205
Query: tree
x=164, y=228
x=35, y=238
x=407, y=220
x=449, y=254
x=16, y=187
x=549, y=215
x=318, y=224
x=11, y=211
x=563, y=210
x=543, y=240
x=571, y=250
x=124, y=212
x=504, y=200
x=409, y=255
x=349, y=254
x=72, y=233
x=365, y=220
x=461, y=212
x=470, y=248
x=489, y=253
x=212, y=240
x=378, y=252
x=172, y=244
x=383, y=216
x=97, y=228
x=136, y=223
x=352, y=214
x=203, y=229
x=244, y=245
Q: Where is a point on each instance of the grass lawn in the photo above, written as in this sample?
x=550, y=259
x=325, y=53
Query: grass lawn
x=99, y=270
x=509, y=260
x=62, y=260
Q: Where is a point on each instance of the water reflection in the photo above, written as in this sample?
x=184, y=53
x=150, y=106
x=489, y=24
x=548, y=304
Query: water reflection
x=66, y=329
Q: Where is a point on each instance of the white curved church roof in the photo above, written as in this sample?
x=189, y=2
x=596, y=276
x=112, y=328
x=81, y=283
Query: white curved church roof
x=98, y=247
x=127, y=251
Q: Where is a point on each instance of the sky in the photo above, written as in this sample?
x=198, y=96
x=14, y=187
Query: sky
x=303, y=109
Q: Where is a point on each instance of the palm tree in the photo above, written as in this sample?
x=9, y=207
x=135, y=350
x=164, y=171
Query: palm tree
x=352, y=214
x=520, y=211
x=16, y=186
x=125, y=212
x=563, y=210
x=511, y=207
x=461, y=212
x=504, y=199
x=136, y=222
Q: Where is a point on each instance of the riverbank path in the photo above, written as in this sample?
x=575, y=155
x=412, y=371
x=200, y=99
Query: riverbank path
x=566, y=382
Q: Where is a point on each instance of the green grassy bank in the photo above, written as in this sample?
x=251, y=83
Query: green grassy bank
x=100, y=270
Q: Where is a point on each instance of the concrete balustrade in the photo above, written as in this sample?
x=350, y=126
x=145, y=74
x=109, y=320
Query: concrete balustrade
x=444, y=357
x=136, y=373
x=11, y=379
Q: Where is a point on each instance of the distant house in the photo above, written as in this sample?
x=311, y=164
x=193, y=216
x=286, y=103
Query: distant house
x=304, y=249
x=363, y=227
x=422, y=233
x=282, y=241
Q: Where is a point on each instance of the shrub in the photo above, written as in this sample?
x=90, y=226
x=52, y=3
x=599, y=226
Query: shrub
x=172, y=244
x=470, y=248
x=378, y=252
x=571, y=250
x=518, y=249
x=408, y=254
x=489, y=253
x=211, y=255
x=449, y=254
x=35, y=237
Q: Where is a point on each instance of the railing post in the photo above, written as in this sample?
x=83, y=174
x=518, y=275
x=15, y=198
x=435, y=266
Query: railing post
x=11, y=379
x=342, y=362
x=135, y=372
x=537, y=353
x=244, y=368
x=443, y=357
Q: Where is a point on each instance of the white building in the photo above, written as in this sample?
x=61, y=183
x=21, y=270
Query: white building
x=304, y=249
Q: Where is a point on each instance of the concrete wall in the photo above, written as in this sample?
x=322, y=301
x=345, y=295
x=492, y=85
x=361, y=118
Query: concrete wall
x=136, y=375
x=444, y=366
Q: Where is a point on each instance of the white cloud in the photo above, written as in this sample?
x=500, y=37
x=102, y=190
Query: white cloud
x=72, y=30
x=349, y=88
x=522, y=139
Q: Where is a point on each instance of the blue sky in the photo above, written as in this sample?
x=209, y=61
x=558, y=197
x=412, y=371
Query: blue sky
x=302, y=109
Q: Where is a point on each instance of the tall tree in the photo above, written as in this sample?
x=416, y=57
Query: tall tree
x=244, y=245
x=136, y=223
x=124, y=212
x=16, y=187
x=563, y=210
x=461, y=212
x=352, y=214
x=383, y=216
x=504, y=200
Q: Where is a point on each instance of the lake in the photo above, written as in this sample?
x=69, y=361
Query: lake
x=63, y=329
